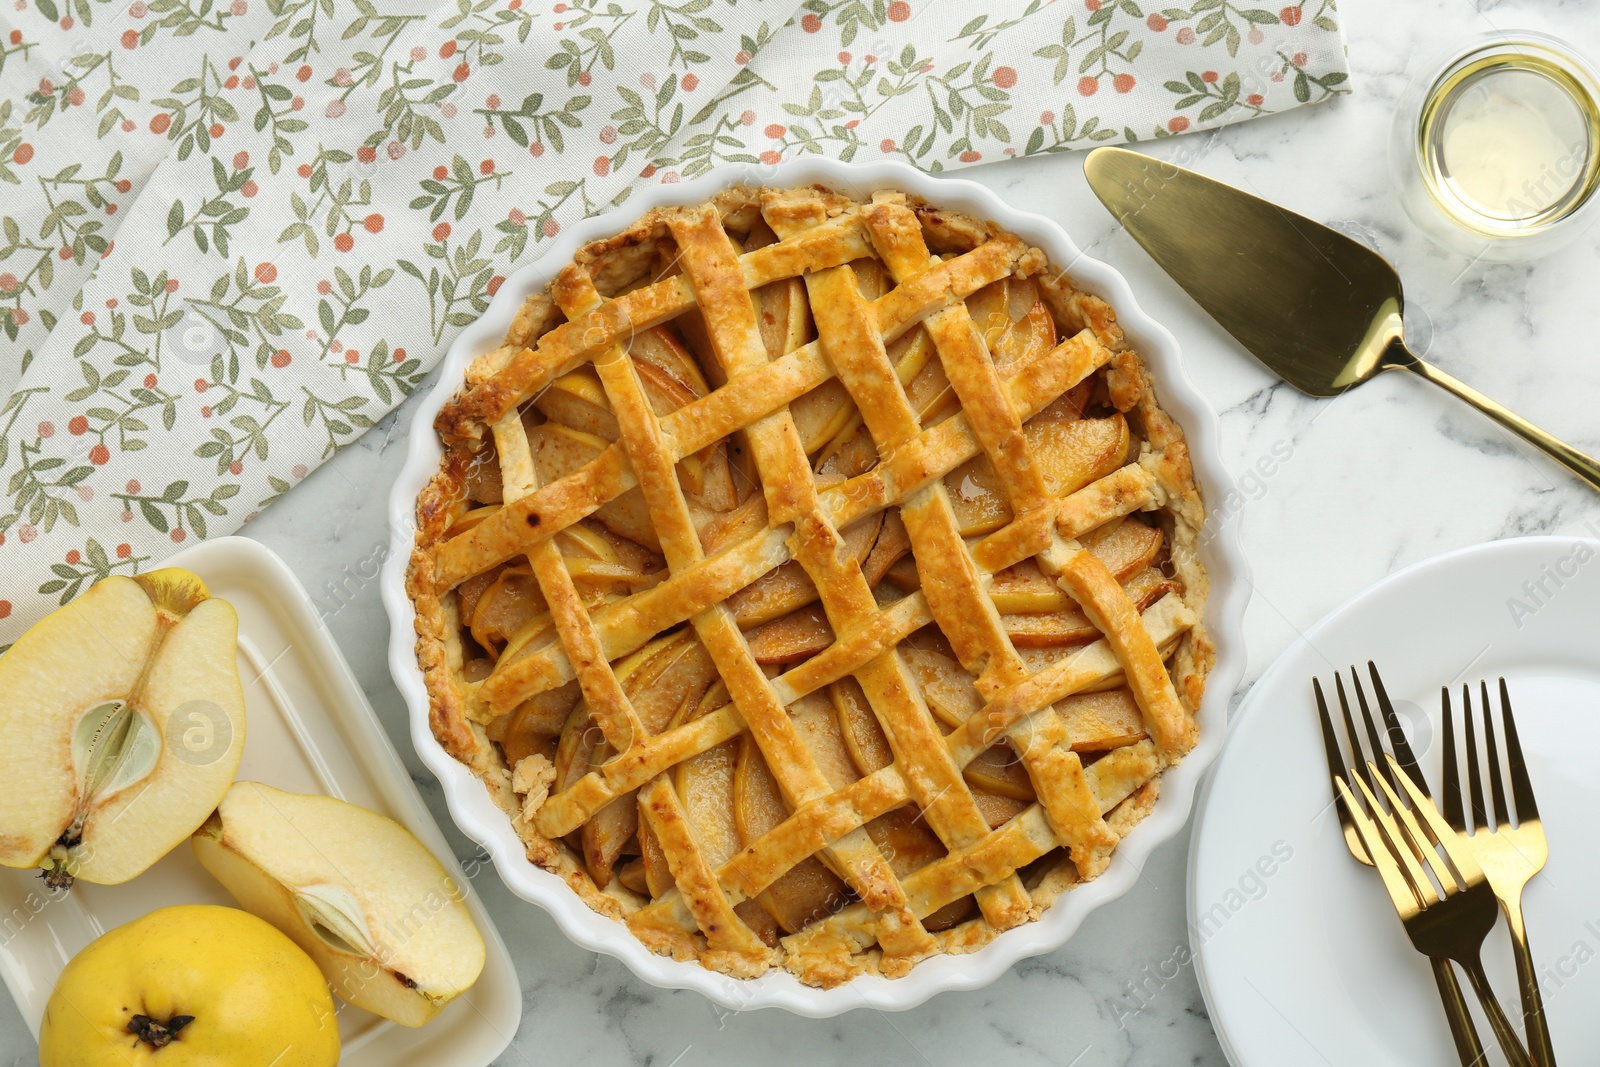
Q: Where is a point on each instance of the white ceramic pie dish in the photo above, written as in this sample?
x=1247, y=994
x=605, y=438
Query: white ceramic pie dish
x=479, y=818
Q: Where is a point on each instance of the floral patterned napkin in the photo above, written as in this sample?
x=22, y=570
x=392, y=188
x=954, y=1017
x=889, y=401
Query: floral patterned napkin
x=235, y=234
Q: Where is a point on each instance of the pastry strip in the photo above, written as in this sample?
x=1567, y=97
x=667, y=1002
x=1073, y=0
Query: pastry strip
x=956, y=588
x=856, y=351
x=708, y=260
x=711, y=910
x=609, y=705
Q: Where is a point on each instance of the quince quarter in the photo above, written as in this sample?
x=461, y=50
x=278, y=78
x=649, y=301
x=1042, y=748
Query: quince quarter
x=357, y=891
x=121, y=726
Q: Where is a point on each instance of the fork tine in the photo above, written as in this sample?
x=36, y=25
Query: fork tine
x=1336, y=767
x=1330, y=742
x=1521, y=787
x=1455, y=847
x=1397, y=735
x=1376, y=743
x=1450, y=789
x=1421, y=842
x=1426, y=893
x=1357, y=759
x=1474, y=775
x=1497, y=786
x=1401, y=892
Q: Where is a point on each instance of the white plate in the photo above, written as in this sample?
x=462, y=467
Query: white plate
x=480, y=820
x=1300, y=953
x=309, y=729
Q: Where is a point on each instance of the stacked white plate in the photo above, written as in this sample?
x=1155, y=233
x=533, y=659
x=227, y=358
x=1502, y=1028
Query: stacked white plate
x=1301, y=957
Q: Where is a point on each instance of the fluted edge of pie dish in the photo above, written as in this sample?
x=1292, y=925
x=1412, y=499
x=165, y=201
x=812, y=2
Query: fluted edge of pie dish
x=480, y=819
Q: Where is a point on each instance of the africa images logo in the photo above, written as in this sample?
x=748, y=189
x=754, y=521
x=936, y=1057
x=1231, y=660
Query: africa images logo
x=1544, y=586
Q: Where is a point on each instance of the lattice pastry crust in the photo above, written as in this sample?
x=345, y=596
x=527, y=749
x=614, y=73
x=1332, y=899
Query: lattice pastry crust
x=813, y=582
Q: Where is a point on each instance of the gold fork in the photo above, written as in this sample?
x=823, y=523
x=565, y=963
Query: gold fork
x=1509, y=855
x=1450, y=919
x=1469, y=1049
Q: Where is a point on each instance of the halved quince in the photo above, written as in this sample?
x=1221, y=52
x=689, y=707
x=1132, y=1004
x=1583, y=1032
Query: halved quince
x=121, y=724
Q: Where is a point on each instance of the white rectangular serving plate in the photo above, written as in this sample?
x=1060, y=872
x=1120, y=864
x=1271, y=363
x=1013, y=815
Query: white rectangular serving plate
x=308, y=729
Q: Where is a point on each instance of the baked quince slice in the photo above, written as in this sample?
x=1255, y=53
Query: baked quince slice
x=1069, y=454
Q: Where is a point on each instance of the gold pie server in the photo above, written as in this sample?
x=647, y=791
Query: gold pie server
x=1322, y=311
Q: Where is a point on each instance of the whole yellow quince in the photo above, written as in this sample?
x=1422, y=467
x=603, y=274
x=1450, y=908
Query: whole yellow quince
x=186, y=986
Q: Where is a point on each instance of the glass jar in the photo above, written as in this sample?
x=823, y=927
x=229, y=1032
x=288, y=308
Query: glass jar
x=1495, y=150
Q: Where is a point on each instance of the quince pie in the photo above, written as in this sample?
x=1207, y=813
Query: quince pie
x=813, y=582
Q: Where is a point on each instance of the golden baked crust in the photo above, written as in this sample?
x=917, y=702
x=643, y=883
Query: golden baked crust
x=813, y=582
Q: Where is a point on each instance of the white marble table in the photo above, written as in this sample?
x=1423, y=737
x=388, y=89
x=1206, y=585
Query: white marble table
x=1375, y=480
